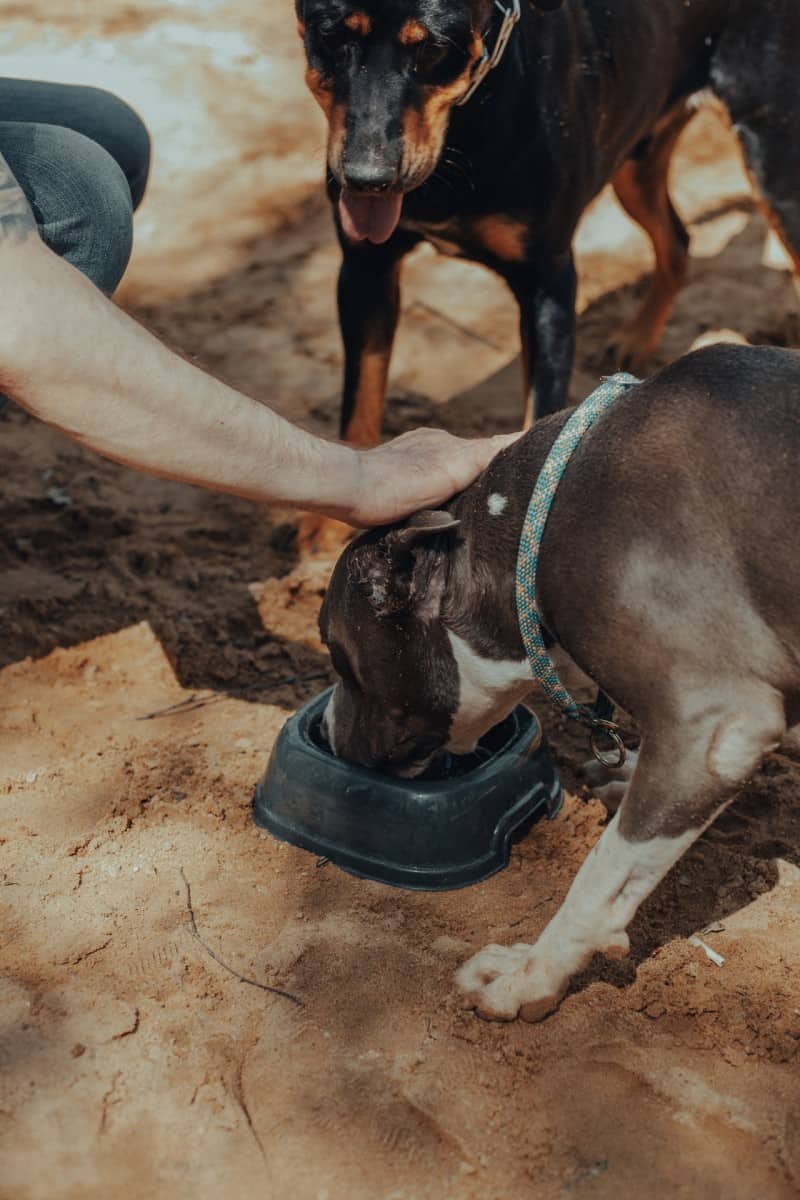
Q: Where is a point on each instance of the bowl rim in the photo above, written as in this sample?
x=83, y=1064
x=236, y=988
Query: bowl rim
x=530, y=736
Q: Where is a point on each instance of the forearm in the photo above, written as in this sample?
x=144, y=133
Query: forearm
x=75, y=360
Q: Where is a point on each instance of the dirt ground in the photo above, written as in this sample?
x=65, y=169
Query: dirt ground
x=154, y=638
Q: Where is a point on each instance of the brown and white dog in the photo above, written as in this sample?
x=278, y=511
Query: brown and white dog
x=668, y=573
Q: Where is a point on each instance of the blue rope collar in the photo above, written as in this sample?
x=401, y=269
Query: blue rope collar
x=528, y=560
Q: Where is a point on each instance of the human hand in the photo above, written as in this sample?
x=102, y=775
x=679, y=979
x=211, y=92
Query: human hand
x=418, y=470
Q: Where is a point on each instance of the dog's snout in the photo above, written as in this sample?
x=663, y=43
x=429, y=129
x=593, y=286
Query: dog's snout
x=368, y=177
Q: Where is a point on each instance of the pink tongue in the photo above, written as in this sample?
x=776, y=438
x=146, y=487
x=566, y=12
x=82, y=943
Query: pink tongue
x=373, y=218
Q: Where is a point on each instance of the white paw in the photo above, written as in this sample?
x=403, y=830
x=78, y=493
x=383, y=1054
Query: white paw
x=504, y=982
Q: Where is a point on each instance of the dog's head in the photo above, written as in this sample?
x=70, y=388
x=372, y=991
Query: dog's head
x=398, y=682
x=386, y=74
x=408, y=687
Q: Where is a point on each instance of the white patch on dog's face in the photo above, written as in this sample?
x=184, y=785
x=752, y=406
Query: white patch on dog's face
x=496, y=504
x=329, y=721
x=488, y=690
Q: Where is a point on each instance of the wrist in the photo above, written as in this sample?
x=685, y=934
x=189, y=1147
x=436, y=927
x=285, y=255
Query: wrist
x=332, y=480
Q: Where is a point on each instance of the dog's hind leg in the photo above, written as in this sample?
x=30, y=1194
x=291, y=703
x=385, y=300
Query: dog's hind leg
x=754, y=73
x=685, y=775
x=773, y=163
x=641, y=185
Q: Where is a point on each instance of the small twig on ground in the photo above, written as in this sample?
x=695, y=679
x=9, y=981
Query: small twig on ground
x=716, y=958
x=431, y=310
x=546, y=900
x=309, y=678
x=241, y=1099
x=265, y=987
x=188, y=705
x=107, y=1101
x=201, y=700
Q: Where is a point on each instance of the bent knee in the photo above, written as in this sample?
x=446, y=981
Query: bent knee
x=742, y=739
x=120, y=130
x=79, y=196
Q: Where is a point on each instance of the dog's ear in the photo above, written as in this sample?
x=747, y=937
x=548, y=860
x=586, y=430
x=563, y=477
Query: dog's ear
x=422, y=527
x=403, y=572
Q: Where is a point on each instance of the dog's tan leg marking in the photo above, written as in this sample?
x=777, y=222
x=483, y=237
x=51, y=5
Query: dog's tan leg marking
x=678, y=787
x=364, y=427
x=642, y=189
x=319, y=535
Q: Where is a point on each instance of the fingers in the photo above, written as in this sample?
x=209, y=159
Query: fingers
x=465, y=458
x=421, y=469
x=501, y=441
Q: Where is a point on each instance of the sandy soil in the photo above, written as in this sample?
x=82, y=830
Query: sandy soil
x=152, y=641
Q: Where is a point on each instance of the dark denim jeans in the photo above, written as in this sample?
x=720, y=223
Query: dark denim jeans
x=82, y=158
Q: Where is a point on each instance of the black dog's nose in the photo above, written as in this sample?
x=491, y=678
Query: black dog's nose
x=368, y=177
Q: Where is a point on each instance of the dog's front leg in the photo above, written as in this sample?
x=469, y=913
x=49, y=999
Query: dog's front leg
x=545, y=292
x=502, y=982
x=681, y=781
x=369, y=304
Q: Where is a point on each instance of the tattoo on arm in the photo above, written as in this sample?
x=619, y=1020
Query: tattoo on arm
x=16, y=219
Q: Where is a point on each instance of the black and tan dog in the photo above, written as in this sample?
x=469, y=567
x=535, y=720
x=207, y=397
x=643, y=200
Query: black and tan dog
x=668, y=573
x=599, y=90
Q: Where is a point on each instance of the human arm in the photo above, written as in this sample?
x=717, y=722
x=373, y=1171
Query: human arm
x=74, y=359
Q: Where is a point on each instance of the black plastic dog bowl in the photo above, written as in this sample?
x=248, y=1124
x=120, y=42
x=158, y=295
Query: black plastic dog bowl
x=450, y=828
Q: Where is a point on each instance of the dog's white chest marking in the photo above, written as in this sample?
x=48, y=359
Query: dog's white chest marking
x=488, y=689
x=497, y=504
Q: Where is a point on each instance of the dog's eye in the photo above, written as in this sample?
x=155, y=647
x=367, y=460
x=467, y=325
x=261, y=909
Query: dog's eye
x=428, y=56
x=436, y=63
x=334, y=35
